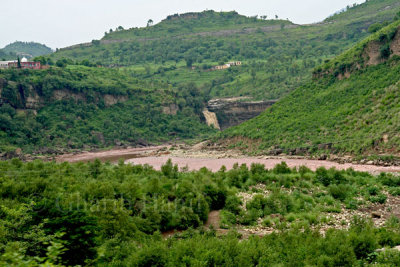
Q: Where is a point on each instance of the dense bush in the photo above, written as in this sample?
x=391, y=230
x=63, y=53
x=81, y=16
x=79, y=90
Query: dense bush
x=103, y=214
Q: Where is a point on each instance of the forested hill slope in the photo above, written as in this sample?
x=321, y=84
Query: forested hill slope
x=27, y=49
x=352, y=106
x=196, y=23
x=277, y=55
x=75, y=107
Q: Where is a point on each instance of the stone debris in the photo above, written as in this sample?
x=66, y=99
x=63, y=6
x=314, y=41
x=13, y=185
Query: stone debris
x=253, y=191
x=378, y=213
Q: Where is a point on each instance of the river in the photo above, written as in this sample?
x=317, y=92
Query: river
x=157, y=156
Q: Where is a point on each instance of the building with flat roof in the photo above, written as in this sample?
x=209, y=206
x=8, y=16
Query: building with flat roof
x=25, y=64
x=4, y=64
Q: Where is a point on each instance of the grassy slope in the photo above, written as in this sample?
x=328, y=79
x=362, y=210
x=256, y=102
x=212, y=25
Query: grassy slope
x=280, y=60
x=357, y=115
x=382, y=9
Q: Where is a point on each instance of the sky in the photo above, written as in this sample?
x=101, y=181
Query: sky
x=60, y=23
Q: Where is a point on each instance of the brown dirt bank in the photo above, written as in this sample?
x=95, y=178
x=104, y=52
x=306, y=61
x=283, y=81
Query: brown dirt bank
x=111, y=155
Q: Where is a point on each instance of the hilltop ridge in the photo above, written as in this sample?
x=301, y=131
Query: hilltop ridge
x=24, y=49
x=194, y=22
x=278, y=55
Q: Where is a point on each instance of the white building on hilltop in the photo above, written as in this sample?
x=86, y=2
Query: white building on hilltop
x=23, y=64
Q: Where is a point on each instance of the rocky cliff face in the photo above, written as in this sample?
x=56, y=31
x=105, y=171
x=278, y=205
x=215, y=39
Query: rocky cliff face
x=373, y=52
x=211, y=119
x=30, y=99
x=234, y=111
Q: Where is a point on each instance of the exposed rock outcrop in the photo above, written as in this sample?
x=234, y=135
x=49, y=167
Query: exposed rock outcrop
x=211, y=119
x=234, y=111
x=110, y=100
x=171, y=109
x=66, y=94
x=372, y=53
x=395, y=45
x=31, y=99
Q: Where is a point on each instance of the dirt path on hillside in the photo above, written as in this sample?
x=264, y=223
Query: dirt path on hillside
x=195, y=158
x=213, y=220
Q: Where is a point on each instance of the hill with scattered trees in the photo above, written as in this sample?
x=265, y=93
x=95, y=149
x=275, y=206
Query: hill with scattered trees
x=24, y=49
x=350, y=107
x=277, y=55
x=171, y=62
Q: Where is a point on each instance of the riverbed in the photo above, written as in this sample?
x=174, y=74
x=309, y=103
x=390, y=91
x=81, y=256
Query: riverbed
x=194, y=159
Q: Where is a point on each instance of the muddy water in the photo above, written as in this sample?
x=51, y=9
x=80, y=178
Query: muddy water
x=155, y=156
x=216, y=164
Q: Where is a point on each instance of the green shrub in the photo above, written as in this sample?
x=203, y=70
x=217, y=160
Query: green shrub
x=385, y=51
x=380, y=198
x=388, y=257
x=373, y=190
x=216, y=196
x=389, y=179
x=227, y=219
x=375, y=27
x=282, y=168
x=394, y=191
x=340, y=192
x=323, y=177
x=250, y=217
x=233, y=204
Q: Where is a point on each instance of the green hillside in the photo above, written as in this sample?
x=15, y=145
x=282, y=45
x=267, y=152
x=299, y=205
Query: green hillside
x=194, y=23
x=77, y=106
x=351, y=106
x=7, y=56
x=277, y=55
x=28, y=49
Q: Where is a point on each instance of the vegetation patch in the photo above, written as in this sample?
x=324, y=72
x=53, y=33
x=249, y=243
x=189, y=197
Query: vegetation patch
x=104, y=214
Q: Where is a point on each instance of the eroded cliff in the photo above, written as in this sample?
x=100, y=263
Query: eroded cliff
x=234, y=111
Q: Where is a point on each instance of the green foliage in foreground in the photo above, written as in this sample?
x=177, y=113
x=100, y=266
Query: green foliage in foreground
x=84, y=117
x=112, y=215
